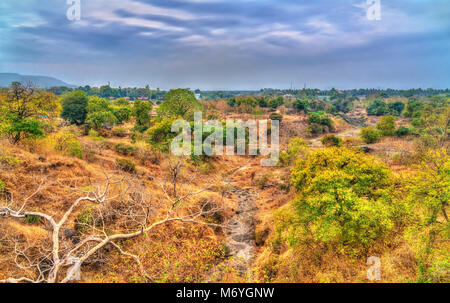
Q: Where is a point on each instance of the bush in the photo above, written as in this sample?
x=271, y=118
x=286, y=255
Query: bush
x=67, y=143
x=331, y=140
x=8, y=160
x=403, y=131
x=120, y=132
x=125, y=149
x=17, y=130
x=31, y=219
x=319, y=122
x=160, y=134
x=145, y=153
x=126, y=165
x=2, y=186
x=275, y=116
x=296, y=147
x=84, y=220
x=370, y=135
x=387, y=125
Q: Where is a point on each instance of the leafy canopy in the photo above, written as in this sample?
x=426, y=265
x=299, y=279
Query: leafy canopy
x=179, y=103
x=74, y=107
x=344, y=198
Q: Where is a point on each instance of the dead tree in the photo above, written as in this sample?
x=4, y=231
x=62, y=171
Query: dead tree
x=122, y=207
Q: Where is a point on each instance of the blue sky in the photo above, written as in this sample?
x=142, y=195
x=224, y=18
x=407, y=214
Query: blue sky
x=230, y=44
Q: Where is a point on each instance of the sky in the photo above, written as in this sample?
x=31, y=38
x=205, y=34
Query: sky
x=230, y=44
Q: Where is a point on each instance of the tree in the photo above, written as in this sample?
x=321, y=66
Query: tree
x=60, y=259
x=344, y=198
x=24, y=109
x=378, y=108
x=99, y=113
x=370, y=135
x=74, y=107
x=396, y=108
x=301, y=105
x=387, y=125
x=141, y=111
x=122, y=113
x=429, y=196
x=179, y=103
x=413, y=107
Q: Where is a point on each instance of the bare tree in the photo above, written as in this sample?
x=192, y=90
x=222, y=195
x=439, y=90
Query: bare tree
x=124, y=212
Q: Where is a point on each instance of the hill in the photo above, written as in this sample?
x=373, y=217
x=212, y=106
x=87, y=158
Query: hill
x=40, y=81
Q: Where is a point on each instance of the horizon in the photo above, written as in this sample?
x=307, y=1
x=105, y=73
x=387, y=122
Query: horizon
x=75, y=86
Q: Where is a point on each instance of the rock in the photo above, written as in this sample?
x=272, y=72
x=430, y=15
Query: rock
x=70, y=233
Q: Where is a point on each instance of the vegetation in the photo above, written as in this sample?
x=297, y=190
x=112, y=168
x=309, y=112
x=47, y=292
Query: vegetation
x=136, y=213
x=179, y=103
x=74, y=107
x=370, y=135
x=25, y=111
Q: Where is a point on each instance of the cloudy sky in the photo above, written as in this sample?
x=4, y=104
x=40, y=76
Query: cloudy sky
x=230, y=44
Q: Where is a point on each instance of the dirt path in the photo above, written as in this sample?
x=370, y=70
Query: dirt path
x=240, y=233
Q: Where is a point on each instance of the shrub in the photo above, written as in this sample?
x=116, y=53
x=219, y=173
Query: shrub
x=84, y=220
x=296, y=147
x=276, y=117
x=8, y=160
x=2, y=186
x=264, y=180
x=319, y=122
x=119, y=132
x=67, y=143
x=370, y=135
x=126, y=165
x=403, y=131
x=125, y=149
x=331, y=140
x=160, y=134
x=32, y=219
x=387, y=125
x=145, y=153
x=17, y=130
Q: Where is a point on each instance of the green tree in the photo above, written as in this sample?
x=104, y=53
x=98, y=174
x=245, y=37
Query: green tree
x=74, y=107
x=141, y=111
x=429, y=196
x=122, y=113
x=24, y=110
x=387, y=125
x=301, y=105
x=378, y=108
x=370, y=135
x=344, y=198
x=179, y=103
x=99, y=113
x=396, y=108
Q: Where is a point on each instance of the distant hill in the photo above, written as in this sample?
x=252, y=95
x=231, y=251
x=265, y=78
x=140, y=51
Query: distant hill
x=40, y=81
